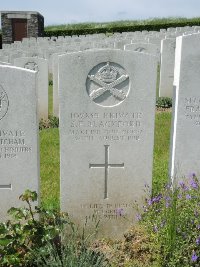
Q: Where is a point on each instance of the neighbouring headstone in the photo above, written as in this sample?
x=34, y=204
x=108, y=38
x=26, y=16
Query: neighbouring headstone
x=168, y=47
x=107, y=106
x=144, y=48
x=19, y=155
x=185, y=137
x=41, y=66
x=4, y=63
x=55, y=84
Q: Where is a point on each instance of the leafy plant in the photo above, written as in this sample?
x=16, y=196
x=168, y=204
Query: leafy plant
x=172, y=218
x=52, y=122
x=164, y=102
x=30, y=229
x=72, y=252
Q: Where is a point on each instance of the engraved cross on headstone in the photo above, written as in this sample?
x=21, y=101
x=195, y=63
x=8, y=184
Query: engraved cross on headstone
x=6, y=186
x=106, y=166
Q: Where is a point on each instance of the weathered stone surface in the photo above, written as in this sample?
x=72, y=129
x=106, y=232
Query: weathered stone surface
x=19, y=155
x=107, y=108
x=144, y=48
x=55, y=84
x=167, y=67
x=41, y=66
x=185, y=137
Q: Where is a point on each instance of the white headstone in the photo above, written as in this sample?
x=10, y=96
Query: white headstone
x=185, y=138
x=55, y=84
x=19, y=155
x=107, y=108
x=167, y=67
x=144, y=48
x=41, y=66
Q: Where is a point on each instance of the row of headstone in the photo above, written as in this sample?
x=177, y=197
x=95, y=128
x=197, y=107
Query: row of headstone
x=107, y=111
x=161, y=44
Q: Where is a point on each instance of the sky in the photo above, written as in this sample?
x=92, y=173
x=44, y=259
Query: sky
x=75, y=11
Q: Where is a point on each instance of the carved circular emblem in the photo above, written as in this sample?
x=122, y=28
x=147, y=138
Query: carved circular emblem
x=140, y=49
x=107, y=84
x=4, y=103
x=31, y=65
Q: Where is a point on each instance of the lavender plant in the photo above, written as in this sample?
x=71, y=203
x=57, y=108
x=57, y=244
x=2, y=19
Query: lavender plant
x=172, y=218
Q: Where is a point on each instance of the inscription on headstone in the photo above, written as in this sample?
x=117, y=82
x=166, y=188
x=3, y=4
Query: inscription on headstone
x=106, y=167
x=4, y=103
x=185, y=137
x=106, y=134
x=19, y=160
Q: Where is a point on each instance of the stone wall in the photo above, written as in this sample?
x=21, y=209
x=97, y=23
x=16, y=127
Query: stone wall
x=6, y=26
x=35, y=25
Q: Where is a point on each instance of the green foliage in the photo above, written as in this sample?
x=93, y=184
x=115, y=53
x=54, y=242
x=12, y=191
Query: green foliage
x=26, y=232
x=52, y=122
x=164, y=102
x=74, y=250
x=172, y=219
x=154, y=24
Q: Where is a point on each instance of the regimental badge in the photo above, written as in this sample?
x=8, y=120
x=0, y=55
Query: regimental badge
x=140, y=49
x=31, y=65
x=4, y=103
x=108, y=84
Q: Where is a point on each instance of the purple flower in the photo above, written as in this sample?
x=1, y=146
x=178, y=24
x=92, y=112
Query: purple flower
x=162, y=224
x=155, y=228
x=119, y=211
x=192, y=175
x=198, y=240
x=155, y=199
x=194, y=257
x=193, y=184
x=183, y=186
x=198, y=226
x=168, y=199
x=138, y=217
x=188, y=196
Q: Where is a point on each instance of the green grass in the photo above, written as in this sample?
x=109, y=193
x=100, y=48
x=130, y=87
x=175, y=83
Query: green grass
x=161, y=150
x=49, y=167
x=50, y=99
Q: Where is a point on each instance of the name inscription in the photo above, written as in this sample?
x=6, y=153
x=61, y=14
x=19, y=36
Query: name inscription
x=108, y=211
x=124, y=126
x=192, y=109
x=12, y=144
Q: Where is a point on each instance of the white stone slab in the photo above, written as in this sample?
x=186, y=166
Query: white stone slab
x=19, y=155
x=55, y=84
x=185, y=137
x=41, y=66
x=167, y=67
x=107, y=108
x=144, y=48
